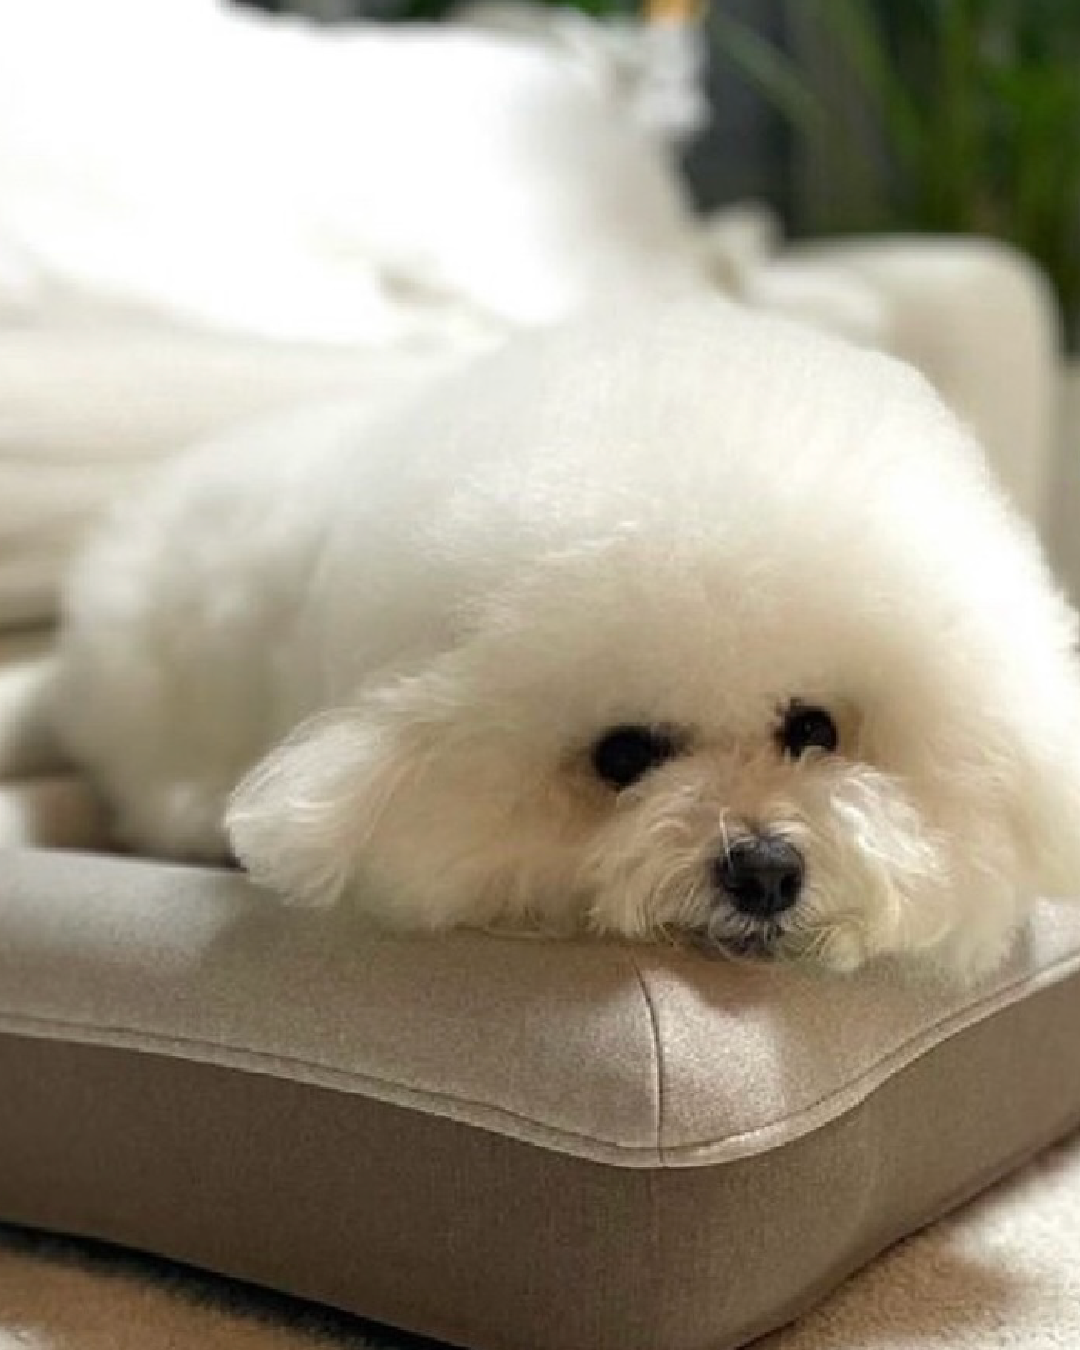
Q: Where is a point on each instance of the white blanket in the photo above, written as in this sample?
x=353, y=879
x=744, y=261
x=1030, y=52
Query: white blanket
x=270, y=177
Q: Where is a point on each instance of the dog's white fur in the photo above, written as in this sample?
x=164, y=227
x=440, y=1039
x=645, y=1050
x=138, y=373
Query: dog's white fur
x=375, y=660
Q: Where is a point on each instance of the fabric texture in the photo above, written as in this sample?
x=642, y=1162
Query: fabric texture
x=994, y=1275
x=205, y=955
x=494, y=1142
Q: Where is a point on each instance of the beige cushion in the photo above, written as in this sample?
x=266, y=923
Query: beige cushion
x=510, y=1144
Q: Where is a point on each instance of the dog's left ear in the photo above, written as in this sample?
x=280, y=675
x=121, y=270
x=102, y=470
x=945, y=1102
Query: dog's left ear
x=300, y=819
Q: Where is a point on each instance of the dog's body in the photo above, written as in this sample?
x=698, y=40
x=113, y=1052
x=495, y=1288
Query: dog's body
x=688, y=620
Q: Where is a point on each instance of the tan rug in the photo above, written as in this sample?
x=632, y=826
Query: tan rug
x=1001, y=1274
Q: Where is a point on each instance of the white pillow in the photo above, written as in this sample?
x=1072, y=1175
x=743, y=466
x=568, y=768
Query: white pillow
x=276, y=178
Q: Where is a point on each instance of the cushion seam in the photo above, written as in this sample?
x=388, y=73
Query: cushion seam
x=1001, y=999
x=658, y=1052
x=901, y=1056
x=263, y=1061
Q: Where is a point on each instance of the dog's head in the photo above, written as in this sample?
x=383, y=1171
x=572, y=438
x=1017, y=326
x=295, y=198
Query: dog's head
x=839, y=721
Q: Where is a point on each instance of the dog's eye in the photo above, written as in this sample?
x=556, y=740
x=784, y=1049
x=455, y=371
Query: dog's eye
x=624, y=754
x=807, y=728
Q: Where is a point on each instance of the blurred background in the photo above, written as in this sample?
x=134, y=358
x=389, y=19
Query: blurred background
x=212, y=208
x=850, y=116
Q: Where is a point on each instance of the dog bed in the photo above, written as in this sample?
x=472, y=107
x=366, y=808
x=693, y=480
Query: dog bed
x=505, y=1144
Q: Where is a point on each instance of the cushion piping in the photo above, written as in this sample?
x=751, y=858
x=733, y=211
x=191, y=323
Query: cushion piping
x=528, y=1129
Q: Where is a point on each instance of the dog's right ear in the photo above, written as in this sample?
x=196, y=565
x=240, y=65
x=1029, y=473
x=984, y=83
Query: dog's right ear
x=300, y=819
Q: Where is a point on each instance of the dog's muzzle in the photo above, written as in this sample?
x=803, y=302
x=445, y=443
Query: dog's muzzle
x=760, y=875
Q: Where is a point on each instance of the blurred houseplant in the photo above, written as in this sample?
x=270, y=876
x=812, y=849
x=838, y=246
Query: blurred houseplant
x=935, y=115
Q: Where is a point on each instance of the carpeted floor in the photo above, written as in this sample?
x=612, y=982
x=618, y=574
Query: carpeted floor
x=1000, y=1274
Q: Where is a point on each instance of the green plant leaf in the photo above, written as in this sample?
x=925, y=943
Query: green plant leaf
x=778, y=77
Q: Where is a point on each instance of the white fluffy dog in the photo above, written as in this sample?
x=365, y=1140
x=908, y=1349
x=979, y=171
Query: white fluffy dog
x=685, y=621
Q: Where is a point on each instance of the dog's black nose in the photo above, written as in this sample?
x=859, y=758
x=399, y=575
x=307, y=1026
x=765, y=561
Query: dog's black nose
x=761, y=875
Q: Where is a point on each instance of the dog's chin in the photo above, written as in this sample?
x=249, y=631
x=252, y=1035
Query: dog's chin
x=742, y=939
x=763, y=946
x=784, y=941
